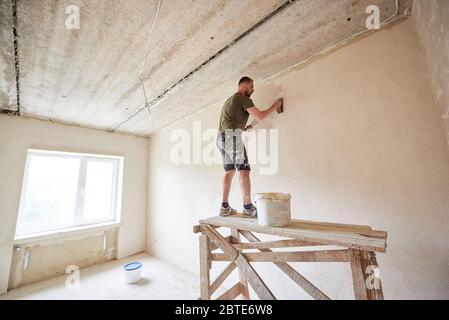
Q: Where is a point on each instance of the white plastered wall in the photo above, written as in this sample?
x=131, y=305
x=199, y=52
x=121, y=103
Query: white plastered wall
x=360, y=142
x=19, y=134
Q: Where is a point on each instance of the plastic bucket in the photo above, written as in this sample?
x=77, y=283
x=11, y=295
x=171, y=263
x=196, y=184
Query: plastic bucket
x=133, y=271
x=273, y=209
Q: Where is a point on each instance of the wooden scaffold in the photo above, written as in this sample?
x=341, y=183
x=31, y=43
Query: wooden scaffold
x=357, y=245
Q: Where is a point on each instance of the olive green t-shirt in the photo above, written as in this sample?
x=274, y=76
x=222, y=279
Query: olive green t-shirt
x=234, y=114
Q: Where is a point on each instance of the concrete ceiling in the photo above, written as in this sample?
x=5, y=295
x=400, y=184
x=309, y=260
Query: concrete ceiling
x=199, y=49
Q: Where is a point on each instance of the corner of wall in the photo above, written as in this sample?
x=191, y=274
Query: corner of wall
x=430, y=26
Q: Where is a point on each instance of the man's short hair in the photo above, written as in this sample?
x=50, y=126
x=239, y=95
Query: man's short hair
x=246, y=80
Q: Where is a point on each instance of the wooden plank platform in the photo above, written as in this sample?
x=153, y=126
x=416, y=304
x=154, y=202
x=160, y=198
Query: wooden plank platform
x=345, y=235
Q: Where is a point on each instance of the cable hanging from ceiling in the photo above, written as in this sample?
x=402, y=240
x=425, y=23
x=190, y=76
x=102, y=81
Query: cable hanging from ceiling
x=147, y=105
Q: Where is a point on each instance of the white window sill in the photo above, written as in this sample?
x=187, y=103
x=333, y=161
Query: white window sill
x=66, y=234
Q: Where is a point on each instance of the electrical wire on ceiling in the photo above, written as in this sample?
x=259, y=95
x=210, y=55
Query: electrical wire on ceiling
x=147, y=105
x=271, y=76
x=282, y=7
x=285, y=69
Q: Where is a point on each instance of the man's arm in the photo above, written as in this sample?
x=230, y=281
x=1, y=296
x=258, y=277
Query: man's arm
x=260, y=115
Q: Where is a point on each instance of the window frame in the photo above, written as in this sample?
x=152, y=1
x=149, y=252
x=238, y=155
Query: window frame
x=116, y=197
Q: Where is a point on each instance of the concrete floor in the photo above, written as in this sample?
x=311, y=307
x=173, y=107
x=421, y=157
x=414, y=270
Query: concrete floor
x=160, y=280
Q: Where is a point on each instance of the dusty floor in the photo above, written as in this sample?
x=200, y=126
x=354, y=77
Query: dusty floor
x=160, y=280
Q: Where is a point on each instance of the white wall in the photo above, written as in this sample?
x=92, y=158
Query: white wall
x=18, y=134
x=431, y=18
x=360, y=142
x=50, y=258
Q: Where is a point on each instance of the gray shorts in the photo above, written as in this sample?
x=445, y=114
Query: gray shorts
x=233, y=151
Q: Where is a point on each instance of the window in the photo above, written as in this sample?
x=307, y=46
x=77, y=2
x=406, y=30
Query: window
x=66, y=190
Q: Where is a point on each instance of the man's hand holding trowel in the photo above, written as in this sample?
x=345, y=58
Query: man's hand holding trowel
x=278, y=105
